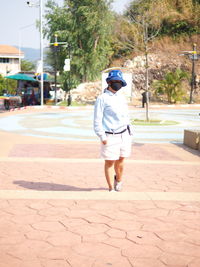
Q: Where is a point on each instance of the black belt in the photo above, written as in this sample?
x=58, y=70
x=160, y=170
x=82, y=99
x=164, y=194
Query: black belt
x=117, y=133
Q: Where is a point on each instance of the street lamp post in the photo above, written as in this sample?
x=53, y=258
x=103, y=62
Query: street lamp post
x=194, y=57
x=56, y=56
x=55, y=46
x=40, y=4
x=69, y=51
x=41, y=53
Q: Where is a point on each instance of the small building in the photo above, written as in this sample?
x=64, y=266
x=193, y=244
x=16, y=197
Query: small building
x=10, y=60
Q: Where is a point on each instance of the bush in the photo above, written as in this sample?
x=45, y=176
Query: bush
x=172, y=85
x=7, y=85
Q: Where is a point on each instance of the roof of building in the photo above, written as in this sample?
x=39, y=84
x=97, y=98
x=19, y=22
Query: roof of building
x=9, y=50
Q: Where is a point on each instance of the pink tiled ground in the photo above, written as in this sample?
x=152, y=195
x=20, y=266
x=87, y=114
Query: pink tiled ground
x=96, y=233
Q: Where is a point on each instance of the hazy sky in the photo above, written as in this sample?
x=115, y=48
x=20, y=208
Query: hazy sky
x=17, y=22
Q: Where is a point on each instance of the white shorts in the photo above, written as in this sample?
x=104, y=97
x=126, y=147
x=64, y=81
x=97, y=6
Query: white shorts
x=118, y=145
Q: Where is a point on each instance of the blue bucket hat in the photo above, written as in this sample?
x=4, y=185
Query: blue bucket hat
x=116, y=75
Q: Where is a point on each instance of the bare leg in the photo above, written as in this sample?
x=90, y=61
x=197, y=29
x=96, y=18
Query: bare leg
x=109, y=172
x=119, y=167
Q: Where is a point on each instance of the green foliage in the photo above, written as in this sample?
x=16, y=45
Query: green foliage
x=146, y=16
x=151, y=11
x=138, y=7
x=95, y=35
x=180, y=27
x=27, y=65
x=2, y=84
x=122, y=39
x=85, y=25
x=7, y=85
x=171, y=85
x=180, y=17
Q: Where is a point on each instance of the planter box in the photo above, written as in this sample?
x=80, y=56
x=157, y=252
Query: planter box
x=192, y=139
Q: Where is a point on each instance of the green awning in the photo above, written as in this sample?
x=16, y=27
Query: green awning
x=22, y=77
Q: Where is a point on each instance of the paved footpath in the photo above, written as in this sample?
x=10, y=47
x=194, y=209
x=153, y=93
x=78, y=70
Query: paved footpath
x=55, y=210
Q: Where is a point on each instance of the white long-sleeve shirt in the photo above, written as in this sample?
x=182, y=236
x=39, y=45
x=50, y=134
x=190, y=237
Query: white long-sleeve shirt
x=110, y=114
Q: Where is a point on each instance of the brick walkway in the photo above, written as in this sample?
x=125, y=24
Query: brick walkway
x=55, y=210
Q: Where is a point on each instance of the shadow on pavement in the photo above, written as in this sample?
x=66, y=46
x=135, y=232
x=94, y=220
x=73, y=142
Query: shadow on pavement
x=41, y=186
x=188, y=149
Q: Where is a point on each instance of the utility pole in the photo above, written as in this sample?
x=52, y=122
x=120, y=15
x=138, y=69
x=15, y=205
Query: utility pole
x=194, y=57
x=69, y=51
x=41, y=54
x=40, y=5
x=147, y=69
x=55, y=45
x=56, y=55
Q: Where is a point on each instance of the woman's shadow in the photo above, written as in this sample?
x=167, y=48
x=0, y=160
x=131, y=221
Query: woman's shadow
x=42, y=186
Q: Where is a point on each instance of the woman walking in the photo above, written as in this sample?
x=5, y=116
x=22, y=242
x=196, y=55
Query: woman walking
x=112, y=126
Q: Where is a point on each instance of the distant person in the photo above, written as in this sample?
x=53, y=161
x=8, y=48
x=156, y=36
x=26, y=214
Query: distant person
x=25, y=96
x=46, y=92
x=32, y=98
x=69, y=100
x=145, y=97
x=112, y=126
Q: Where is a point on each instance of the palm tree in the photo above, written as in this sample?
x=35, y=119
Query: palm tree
x=171, y=85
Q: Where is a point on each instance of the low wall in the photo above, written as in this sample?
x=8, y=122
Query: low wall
x=192, y=139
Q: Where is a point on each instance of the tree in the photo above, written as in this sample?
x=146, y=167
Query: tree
x=123, y=37
x=27, y=65
x=171, y=85
x=86, y=26
x=147, y=15
x=7, y=85
x=182, y=18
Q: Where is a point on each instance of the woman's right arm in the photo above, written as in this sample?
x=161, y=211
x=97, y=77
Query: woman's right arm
x=98, y=119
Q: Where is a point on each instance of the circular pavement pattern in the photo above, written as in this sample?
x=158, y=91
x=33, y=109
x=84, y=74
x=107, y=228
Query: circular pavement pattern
x=78, y=125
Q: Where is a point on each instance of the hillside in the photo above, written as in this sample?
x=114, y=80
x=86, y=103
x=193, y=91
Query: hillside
x=164, y=56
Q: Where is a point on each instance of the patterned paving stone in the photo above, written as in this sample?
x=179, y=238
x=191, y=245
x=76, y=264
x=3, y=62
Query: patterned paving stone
x=53, y=263
x=161, y=229
x=99, y=251
x=90, y=229
x=173, y=236
x=97, y=238
x=125, y=225
x=116, y=262
x=55, y=253
x=142, y=251
x=48, y=226
x=173, y=259
x=116, y=233
x=194, y=263
x=64, y=239
x=144, y=237
x=146, y=262
x=9, y=261
x=180, y=248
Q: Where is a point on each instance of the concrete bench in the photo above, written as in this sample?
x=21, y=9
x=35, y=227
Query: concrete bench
x=192, y=139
